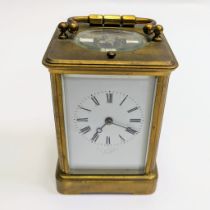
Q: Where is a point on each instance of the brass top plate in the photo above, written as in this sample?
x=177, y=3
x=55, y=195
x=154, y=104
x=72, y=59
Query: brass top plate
x=65, y=53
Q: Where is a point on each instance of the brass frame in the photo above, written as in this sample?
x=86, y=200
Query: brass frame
x=121, y=184
x=68, y=183
x=136, y=184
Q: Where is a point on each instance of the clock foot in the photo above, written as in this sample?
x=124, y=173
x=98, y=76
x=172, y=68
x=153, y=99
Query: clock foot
x=107, y=184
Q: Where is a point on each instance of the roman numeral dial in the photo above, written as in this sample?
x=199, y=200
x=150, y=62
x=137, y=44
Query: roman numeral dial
x=109, y=97
x=131, y=130
x=85, y=130
x=135, y=120
x=108, y=140
x=95, y=100
x=108, y=118
x=82, y=119
x=133, y=109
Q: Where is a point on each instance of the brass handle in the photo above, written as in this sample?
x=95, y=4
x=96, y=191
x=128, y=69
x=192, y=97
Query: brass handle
x=72, y=24
x=112, y=20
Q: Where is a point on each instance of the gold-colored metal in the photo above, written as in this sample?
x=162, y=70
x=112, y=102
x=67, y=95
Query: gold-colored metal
x=63, y=57
x=59, y=121
x=73, y=26
x=161, y=90
x=158, y=29
x=148, y=28
x=68, y=183
x=113, y=20
x=155, y=59
x=96, y=19
x=63, y=27
x=91, y=184
x=124, y=20
x=128, y=20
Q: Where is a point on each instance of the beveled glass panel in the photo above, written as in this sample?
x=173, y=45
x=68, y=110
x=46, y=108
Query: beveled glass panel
x=110, y=40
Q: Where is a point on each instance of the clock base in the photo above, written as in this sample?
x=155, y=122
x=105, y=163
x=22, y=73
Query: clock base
x=106, y=184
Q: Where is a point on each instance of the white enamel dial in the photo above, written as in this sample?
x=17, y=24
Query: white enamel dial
x=108, y=118
x=107, y=121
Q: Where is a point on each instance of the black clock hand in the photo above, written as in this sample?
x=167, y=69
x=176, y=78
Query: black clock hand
x=96, y=134
x=119, y=125
x=128, y=129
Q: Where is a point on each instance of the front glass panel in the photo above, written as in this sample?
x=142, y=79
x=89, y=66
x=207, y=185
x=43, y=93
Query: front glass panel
x=110, y=40
x=107, y=122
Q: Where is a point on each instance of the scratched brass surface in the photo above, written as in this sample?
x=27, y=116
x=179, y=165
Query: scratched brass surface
x=64, y=53
x=113, y=184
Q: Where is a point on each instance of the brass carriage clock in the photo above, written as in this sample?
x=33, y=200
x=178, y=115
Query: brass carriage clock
x=109, y=78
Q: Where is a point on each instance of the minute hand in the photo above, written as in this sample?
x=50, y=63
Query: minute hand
x=128, y=129
x=119, y=125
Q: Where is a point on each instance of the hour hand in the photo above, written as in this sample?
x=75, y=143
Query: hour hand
x=96, y=134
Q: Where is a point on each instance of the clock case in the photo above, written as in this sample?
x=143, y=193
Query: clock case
x=63, y=56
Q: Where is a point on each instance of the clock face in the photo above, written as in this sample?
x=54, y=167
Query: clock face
x=108, y=118
x=107, y=121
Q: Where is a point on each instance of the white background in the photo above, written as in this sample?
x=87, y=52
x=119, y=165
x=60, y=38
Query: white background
x=27, y=137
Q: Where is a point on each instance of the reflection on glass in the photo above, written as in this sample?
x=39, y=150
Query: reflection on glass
x=110, y=40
